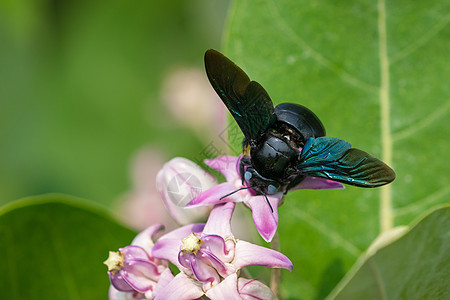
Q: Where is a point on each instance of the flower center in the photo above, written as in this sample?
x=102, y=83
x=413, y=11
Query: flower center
x=115, y=261
x=191, y=244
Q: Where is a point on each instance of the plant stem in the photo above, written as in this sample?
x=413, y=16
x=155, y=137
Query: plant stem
x=275, y=278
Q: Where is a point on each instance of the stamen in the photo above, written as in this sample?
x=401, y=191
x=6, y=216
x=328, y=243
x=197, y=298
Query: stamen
x=115, y=261
x=191, y=244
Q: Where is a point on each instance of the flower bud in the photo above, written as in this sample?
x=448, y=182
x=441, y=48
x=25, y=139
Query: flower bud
x=179, y=181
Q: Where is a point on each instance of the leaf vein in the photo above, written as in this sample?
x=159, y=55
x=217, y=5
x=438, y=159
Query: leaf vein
x=412, y=129
x=386, y=217
x=408, y=50
x=328, y=232
x=418, y=206
x=318, y=57
x=378, y=280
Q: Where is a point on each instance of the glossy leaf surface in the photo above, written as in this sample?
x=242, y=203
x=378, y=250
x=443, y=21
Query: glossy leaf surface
x=416, y=266
x=53, y=247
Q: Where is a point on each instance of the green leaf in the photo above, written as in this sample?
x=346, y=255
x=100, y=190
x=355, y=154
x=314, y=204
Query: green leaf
x=416, y=266
x=53, y=247
x=376, y=74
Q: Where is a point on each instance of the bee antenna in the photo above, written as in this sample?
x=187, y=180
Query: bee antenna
x=233, y=192
x=267, y=200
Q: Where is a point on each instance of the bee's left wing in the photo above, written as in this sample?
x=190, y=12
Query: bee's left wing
x=247, y=101
x=335, y=159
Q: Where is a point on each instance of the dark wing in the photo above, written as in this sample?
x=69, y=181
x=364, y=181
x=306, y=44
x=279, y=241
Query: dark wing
x=246, y=100
x=335, y=159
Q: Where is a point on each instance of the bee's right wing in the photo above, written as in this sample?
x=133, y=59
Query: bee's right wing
x=335, y=159
x=246, y=100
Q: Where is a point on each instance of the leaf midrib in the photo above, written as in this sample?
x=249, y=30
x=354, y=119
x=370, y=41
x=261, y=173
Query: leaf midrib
x=386, y=215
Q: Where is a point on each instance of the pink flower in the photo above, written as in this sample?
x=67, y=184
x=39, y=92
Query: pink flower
x=210, y=258
x=265, y=220
x=133, y=272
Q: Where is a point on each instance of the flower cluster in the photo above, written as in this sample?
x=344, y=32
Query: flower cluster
x=210, y=259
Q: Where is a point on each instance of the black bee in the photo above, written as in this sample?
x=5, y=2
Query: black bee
x=283, y=145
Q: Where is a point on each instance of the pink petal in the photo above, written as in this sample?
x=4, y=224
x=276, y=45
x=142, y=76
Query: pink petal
x=119, y=283
x=213, y=195
x=219, y=221
x=180, y=288
x=248, y=254
x=163, y=281
x=316, y=183
x=132, y=252
x=216, y=244
x=253, y=289
x=227, y=289
x=185, y=259
x=141, y=275
x=265, y=221
x=114, y=294
x=225, y=165
x=142, y=284
x=202, y=269
x=168, y=246
x=146, y=238
x=183, y=232
x=208, y=257
x=168, y=249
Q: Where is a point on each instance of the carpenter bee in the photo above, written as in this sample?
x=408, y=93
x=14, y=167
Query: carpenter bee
x=283, y=145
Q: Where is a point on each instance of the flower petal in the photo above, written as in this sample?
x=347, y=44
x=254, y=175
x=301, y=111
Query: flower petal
x=203, y=271
x=265, y=221
x=178, y=182
x=119, y=283
x=132, y=252
x=140, y=275
x=146, y=238
x=217, y=245
x=163, y=281
x=208, y=257
x=252, y=289
x=316, y=183
x=114, y=294
x=227, y=289
x=180, y=288
x=225, y=165
x=167, y=249
x=219, y=221
x=248, y=254
x=183, y=232
x=213, y=195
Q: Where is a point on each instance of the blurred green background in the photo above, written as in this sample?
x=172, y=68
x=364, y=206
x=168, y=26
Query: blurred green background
x=80, y=90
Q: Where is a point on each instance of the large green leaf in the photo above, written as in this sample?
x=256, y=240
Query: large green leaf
x=53, y=247
x=376, y=75
x=417, y=266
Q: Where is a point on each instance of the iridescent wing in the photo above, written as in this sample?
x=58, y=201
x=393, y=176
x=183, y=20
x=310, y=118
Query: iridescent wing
x=247, y=101
x=335, y=159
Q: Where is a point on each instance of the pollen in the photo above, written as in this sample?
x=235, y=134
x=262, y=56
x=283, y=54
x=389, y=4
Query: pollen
x=191, y=244
x=115, y=261
x=246, y=151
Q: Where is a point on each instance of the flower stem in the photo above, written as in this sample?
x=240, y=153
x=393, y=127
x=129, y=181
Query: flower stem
x=275, y=278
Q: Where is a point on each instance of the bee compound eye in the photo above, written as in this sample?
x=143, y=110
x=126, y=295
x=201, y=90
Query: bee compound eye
x=271, y=189
x=247, y=175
